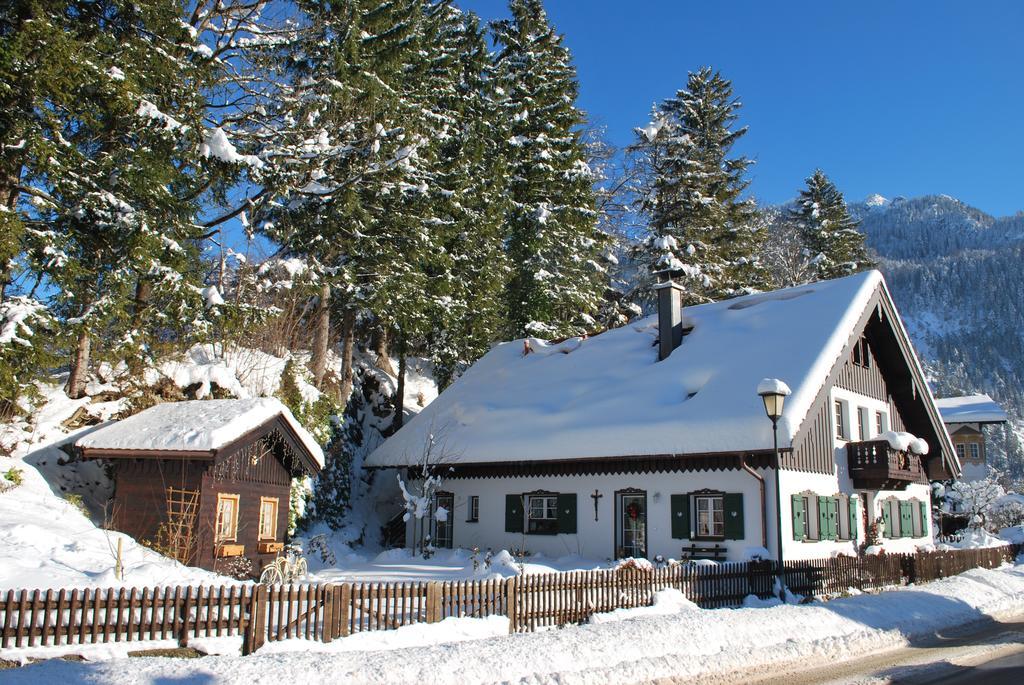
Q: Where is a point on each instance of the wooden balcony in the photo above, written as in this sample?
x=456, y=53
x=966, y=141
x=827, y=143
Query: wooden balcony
x=874, y=465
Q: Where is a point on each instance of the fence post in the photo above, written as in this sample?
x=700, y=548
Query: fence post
x=327, y=631
x=256, y=627
x=510, y=602
x=183, y=615
x=344, y=607
x=433, y=602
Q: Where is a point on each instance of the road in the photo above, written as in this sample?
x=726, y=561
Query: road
x=991, y=653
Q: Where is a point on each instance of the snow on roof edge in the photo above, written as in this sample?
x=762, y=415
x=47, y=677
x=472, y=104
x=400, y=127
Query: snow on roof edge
x=196, y=426
x=464, y=409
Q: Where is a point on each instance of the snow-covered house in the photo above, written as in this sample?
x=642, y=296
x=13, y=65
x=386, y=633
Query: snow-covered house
x=206, y=481
x=635, y=443
x=966, y=417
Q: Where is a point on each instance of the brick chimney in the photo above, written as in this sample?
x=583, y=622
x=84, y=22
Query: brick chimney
x=670, y=314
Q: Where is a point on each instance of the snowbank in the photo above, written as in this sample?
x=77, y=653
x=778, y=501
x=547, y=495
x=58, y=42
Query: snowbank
x=679, y=645
x=668, y=601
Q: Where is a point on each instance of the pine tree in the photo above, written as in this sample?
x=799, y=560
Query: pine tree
x=108, y=150
x=830, y=235
x=691, y=192
x=553, y=242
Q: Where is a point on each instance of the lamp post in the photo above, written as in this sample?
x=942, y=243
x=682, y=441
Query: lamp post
x=773, y=393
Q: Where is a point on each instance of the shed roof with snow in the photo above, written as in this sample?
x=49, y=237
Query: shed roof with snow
x=609, y=396
x=971, y=409
x=200, y=429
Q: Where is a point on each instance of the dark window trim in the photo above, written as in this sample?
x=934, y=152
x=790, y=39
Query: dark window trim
x=473, y=515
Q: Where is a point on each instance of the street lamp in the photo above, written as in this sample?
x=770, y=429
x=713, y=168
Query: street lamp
x=773, y=393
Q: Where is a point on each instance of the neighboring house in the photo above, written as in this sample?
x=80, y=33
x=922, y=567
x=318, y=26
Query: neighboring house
x=206, y=481
x=965, y=418
x=632, y=443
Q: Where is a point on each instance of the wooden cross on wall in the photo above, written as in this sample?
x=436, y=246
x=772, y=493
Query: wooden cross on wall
x=596, y=496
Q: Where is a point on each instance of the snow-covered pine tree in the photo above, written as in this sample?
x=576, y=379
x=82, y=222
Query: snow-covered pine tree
x=830, y=236
x=108, y=167
x=691, y=192
x=553, y=242
x=469, y=272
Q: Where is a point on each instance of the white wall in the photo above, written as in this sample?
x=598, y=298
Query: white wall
x=595, y=539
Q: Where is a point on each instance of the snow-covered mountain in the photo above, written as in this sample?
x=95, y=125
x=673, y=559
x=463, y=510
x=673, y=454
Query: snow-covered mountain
x=956, y=275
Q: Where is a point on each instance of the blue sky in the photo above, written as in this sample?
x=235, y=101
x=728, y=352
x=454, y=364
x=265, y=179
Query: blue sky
x=897, y=98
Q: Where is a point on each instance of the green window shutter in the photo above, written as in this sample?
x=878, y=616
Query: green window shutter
x=823, y=525
x=853, y=518
x=924, y=518
x=798, y=517
x=513, y=513
x=733, y=509
x=906, y=520
x=833, y=518
x=680, y=505
x=567, y=512
x=887, y=520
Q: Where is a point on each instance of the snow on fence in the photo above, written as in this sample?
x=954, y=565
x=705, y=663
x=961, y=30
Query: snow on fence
x=324, y=612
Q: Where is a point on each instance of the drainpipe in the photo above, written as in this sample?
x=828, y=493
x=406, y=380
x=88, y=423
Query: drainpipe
x=764, y=505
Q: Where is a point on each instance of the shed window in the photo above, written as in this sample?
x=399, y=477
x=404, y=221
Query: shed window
x=710, y=516
x=227, y=518
x=975, y=451
x=960, y=451
x=268, y=518
x=542, y=514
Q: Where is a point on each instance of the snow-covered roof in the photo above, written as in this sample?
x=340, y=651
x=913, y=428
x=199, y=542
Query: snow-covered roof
x=970, y=409
x=610, y=396
x=195, y=426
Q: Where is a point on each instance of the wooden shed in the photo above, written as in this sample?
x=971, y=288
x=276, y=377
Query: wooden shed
x=206, y=481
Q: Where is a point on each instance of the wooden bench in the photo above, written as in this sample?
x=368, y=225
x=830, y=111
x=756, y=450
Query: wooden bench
x=713, y=552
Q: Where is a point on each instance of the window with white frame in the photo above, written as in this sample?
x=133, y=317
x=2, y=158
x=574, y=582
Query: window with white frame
x=862, y=423
x=881, y=422
x=840, y=419
x=961, y=451
x=542, y=513
x=974, y=449
x=474, y=509
x=710, y=516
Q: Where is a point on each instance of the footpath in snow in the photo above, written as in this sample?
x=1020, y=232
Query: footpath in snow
x=671, y=639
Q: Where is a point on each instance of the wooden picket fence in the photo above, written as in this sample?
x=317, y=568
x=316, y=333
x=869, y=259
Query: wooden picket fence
x=324, y=612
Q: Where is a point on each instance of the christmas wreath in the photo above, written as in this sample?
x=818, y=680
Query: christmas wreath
x=633, y=510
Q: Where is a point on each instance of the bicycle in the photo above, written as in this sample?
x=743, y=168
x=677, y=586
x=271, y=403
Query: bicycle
x=286, y=568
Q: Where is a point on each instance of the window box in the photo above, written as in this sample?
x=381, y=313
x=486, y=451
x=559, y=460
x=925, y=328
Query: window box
x=270, y=547
x=230, y=551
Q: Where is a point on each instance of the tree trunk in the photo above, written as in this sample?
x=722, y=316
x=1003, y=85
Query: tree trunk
x=321, y=336
x=380, y=346
x=75, y=388
x=348, y=340
x=399, y=419
x=10, y=176
x=143, y=291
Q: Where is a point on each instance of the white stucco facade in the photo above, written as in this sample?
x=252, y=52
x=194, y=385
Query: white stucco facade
x=596, y=531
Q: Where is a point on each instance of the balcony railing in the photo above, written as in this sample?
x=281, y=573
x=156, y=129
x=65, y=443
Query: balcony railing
x=875, y=465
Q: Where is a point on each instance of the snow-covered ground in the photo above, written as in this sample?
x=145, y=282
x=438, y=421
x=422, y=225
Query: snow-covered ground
x=447, y=564
x=672, y=639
